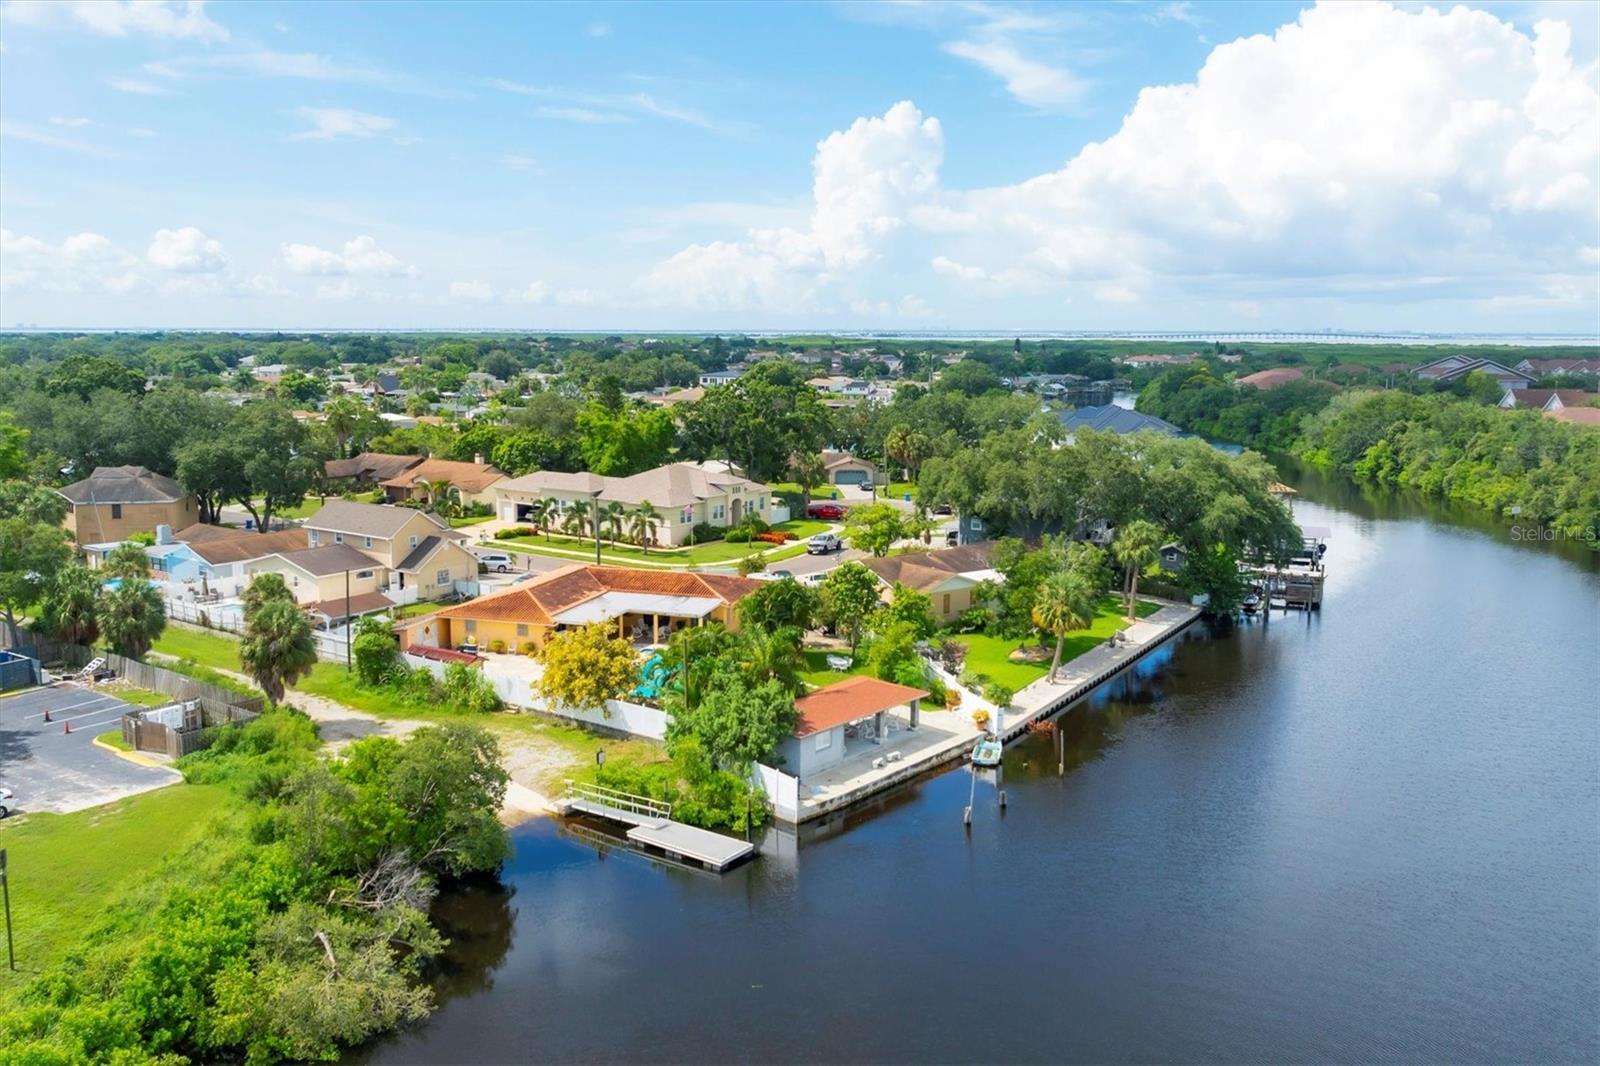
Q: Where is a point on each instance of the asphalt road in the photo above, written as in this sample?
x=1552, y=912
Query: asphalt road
x=52, y=770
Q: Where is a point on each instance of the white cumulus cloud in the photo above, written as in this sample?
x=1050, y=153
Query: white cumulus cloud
x=186, y=250
x=360, y=255
x=120, y=18
x=328, y=123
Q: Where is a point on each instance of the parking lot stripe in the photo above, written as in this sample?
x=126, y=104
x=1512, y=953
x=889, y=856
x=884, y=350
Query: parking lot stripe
x=55, y=712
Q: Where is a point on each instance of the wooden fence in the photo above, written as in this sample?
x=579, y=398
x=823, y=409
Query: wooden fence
x=178, y=686
x=181, y=728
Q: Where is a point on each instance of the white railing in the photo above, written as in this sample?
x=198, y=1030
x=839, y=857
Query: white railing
x=622, y=801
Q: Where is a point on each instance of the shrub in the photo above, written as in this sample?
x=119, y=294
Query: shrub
x=512, y=532
x=497, y=646
x=705, y=532
x=466, y=689
x=973, y=679
x=998, y=694
x=529, y=648
x=952, y=698
x=952, y=654
x=737, y=536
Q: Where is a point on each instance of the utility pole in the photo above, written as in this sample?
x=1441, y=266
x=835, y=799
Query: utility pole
x=347, y=629
x=594, y=516
x=5, y=886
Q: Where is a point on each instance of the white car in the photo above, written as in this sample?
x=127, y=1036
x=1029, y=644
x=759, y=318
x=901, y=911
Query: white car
x=823, y=543
x=499, y=562
x=5, y=801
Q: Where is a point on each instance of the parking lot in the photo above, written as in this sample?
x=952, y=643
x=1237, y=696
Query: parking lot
x=50, y=769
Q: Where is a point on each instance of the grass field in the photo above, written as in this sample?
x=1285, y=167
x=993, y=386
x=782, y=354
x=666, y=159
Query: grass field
x=421, y=607
x=67, y=869
x=131, y=694
x=719, y=551
x=819, y=673
x=988, y=655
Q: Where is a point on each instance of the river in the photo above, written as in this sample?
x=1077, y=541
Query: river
x=1369, y=833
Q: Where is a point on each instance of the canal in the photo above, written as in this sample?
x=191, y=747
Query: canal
x=1371, y=833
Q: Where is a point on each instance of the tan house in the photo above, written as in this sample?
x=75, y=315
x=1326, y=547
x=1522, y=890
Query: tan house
x=471, y=481
x=428, y=559
x=842, y=468
x=950, y=577
x=320, y=577
x=645, y=605
x=115, y=502
x=682, y=495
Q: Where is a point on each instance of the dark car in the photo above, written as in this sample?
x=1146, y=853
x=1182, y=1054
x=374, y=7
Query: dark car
x=830, y=511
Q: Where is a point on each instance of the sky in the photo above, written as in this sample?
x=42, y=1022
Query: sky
x=897, y=166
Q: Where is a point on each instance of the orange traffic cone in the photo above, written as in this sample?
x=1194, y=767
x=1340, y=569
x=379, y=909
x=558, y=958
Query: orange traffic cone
x=66, y=727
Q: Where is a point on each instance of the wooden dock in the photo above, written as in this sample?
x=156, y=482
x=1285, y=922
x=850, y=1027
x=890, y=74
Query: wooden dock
x=651, y=826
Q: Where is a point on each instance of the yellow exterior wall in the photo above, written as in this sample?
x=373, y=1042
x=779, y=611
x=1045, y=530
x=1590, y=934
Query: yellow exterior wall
x=309, y=589
x=93, y=524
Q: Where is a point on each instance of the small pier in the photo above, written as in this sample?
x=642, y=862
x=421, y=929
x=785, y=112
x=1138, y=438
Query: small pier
x=1297, y=584
x=651, y=826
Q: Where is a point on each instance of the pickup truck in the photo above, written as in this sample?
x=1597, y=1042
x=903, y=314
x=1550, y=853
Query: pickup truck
x=823, y=543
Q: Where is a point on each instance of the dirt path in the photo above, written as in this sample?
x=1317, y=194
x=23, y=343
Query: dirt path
x=528, y=760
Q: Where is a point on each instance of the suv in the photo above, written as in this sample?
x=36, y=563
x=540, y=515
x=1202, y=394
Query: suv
x=499, y=562
x=830, y=511
x=5, y=801
x=823, y=543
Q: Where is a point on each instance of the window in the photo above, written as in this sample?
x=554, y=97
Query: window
x=316, y=538
x=413, y=540
x=338, y=538
x=116, y=510
x=522, y=630
x=363, y=574
x=366, y=542
x=442, y=577
x=946, y=603
x=824, y=740
x=472, y=627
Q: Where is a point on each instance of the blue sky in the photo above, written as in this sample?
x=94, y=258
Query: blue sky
x=722, y=166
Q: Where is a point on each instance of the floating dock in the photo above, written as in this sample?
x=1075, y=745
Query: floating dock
x=651, y=826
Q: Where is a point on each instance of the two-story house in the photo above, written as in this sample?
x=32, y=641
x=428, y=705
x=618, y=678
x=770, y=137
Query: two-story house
x=428, y=560
x=115, y=502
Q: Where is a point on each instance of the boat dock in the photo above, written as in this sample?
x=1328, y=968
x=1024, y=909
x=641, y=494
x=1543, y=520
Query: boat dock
x=651, y=826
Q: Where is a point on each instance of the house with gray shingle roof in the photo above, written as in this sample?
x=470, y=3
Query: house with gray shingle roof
x=115, y=502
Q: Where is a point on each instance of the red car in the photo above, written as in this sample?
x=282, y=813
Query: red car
x=831, y=511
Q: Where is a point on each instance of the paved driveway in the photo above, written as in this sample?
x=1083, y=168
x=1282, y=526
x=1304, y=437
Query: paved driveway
x=52, y=770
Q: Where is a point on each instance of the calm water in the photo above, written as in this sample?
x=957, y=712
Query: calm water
x=1367, y=834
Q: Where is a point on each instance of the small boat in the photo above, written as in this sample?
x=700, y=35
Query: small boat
x=1251, y=603
x=987, y=753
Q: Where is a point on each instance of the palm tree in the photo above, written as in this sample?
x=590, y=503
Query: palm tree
x=278, y=648
x=576, y=521
x=1136, y=547
x=552, y=511
x=773, y=656
x=808, y=471
x=616, y=516
x=131, y=617
x=128, y=562
x=536, y=513
x=436, y=493
x=1064, y=603
x=69, y=605
x=642, y=524
x=341, y=417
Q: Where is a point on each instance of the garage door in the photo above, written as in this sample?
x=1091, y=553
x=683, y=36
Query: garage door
x=508, y=510
x=851, y=477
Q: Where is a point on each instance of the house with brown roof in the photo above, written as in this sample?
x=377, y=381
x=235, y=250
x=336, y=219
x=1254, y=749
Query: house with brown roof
x=1582, y=416
x=646, y=606
x=950, y=577
x=470, y=481
x=1547, y=399
x=842, y=468
x=682, y=495
x=429, y=560
x=115, y=502
x=369, y=468
x=1272, y=379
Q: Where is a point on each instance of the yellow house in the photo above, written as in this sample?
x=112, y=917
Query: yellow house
x=423, y=552
x=949, y=577
x=319, y=576
x=115, y=502
x=645, y=605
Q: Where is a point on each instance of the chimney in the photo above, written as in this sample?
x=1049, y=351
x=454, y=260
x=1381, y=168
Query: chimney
x=163, y=534
x=477, y=457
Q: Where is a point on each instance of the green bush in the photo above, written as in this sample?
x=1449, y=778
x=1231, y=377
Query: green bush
x=737, y=536
x=705, y=532
x=699, y=793
x=512, y=532
x=998, y=694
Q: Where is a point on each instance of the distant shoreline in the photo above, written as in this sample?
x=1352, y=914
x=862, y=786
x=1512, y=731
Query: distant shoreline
x=1508, y=340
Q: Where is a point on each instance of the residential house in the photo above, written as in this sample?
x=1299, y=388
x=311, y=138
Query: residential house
x=645, y=605
x=324, y=578
x=949, y=577
x=719, y=377
x=427, y=558
x=1277, y=377
x=369, y=468
x=1547, y=399
x=1583, y=416
x=215, y=559
x=842, y=468
x=682, y=494
x=1539, y=368
x=1452, y=367
x=471, y=481
x=1111, y=418
x=828, y=716
x=1173, y=557
x=677, y=396
x=115, y=502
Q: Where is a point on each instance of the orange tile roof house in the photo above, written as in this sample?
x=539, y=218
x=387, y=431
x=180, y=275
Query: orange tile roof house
x=646, y=605
x=821, y=739
x=1272, y=379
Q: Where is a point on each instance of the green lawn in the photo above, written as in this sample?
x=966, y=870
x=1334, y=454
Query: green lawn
x=819, y=673
x=821, y=492
x=988, y=654
x=421, y=607
x=112, y=738
x=304, y=509
x=66, y=870
x=719, y=551
x=469, y=520
x=207, y=649
x=130, y=694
